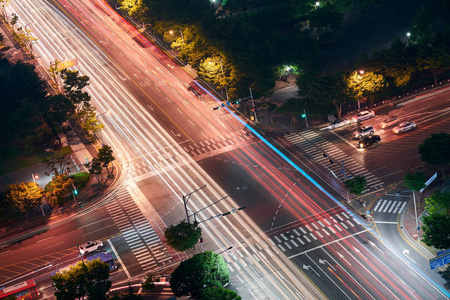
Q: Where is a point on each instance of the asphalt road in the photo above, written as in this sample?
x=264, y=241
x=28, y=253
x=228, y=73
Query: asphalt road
x=292, y=240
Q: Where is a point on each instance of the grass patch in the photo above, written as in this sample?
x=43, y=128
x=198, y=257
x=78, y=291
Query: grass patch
x=81, y=179
x=8, y=166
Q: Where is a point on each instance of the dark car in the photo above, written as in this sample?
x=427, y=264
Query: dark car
x=369, y=141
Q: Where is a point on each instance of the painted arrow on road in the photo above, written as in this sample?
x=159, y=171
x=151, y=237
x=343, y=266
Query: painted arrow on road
x=323, y=261
x=310, y=268
x=176, y=134
x=406, y=253
x=374, y=245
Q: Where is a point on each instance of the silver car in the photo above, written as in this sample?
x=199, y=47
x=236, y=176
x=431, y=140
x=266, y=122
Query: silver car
x=363, y=115
x=339, y=123
x=404, y=126
x=389, y=121
x=363, y=131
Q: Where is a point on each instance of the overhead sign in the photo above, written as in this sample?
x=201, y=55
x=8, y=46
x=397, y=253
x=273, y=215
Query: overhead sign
x=67, y=64
x=443, y=252
x=429, y=181
x=439, y=261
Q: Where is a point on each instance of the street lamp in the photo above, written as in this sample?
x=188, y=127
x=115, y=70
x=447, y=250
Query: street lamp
x=34, y=177
x=181, y=32
x=415, y=212
x=408, y=34
x=317, y=4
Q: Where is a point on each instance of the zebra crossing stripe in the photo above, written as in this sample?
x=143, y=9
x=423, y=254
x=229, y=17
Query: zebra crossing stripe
x=287, y=245
x=337, y=226
x=284, y=237
x=256, y=257
x=309, y=228
x=351, y=224
x=339, y=217
x=343, y=225
x=387, y=206
x=296, y=232
x=326, y=232
x=281, y=247
x=319, y=234
x=326, y=221
x=403, y=206
x=301, y=242
x=332, y=230
x=278, y=240
x=303, y=230
x=383, y=202
x=315, y=226
x=313, y=236
x=306, y=238
x=347, y=217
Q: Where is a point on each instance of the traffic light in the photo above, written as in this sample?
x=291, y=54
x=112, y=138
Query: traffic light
x=303, y=115
x=237, y=101
x=75, y=191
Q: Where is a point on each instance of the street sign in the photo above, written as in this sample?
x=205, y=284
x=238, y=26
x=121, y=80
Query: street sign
x=429, y=181
x=439, y=261
x=443, y=252
x=67, y=64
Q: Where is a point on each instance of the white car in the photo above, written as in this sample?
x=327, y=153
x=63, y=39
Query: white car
x=90, y=246
x=363, y=131
x=389, y=122
x=404, y=126
x=339, y=123
x=364, y=115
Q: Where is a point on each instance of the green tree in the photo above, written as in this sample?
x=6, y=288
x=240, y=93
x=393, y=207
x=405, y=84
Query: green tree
x=25, y=196
x=74, y=83
x=195, y=275
x=356, y=185
x=83, y=279
x=105, y=156
x=220, y=293
x=436, y=231
x=58, y=109
x=422, y=32
x=326, y=16
x=57, y=164
x=87, y=116
x=339, y=93
x=58, y=191
x=415, y=181
x=435, y=58
x=95, y=168
x=434, y=150
x=183, y=236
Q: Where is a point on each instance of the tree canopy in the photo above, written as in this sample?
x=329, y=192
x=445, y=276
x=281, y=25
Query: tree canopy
x=326, y=16
x=25, y=196
x=436, y=224
x=434, y=150
x=220, y=293
x=197, y=274
x=83, y=279
x=356, y=185
x=183, y=236
x=415, y=181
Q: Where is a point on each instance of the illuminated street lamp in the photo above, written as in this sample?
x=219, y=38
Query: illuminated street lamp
x=317, y=4
x=408, y=34
x=34, y=177
x=181, y=32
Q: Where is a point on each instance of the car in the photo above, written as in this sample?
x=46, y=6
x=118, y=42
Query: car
x=90, y=246
x=389, y=122
x=369, y=141
x=363, y=115
x=339, y=123
x=363, y=131
x=404, y=126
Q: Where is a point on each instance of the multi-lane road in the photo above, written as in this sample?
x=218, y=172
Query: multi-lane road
x=295, y=240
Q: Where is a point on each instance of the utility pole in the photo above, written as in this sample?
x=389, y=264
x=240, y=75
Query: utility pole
x=185, y=201
x=253, y=104
x=345, y=179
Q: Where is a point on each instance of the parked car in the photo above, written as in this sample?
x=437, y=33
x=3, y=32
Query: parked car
x=389, y=121
x=90, y=246
x=363, y=131
x=363, y=115
x=404, y=126
x=339, y=123
x=369, y=141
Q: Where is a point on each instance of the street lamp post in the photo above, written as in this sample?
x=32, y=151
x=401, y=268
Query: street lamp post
x=181, y=32
x=415, y=212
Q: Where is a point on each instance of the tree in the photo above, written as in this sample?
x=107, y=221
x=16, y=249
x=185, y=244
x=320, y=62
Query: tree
x=58, y=191
x=58, y=109
x=95, y=168
x=73, y=86
x=130, y=294
x=84, y=278
x=435, y=225
x=13, y=21
x=366, y=84
x=149, y=284
x=202, y=271
x=105, y=156
x=327, y=16
x=415, y=181
x=57, y=164
x=25, y=196
x=436, y=231
x=87, y=116
x=435, y=58
x=356, y=185
x=434, y=150
x=220, y=293
x=339, y=91
x=3, y=5
x=422, y=32
x=183, y=236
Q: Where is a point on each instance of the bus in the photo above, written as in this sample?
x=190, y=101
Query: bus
x=23, y=290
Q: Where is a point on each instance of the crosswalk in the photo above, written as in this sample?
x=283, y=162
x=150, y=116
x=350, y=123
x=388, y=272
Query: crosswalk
x=390, y=206
x=145, y=244
x=332, y=227
x=315, y=145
